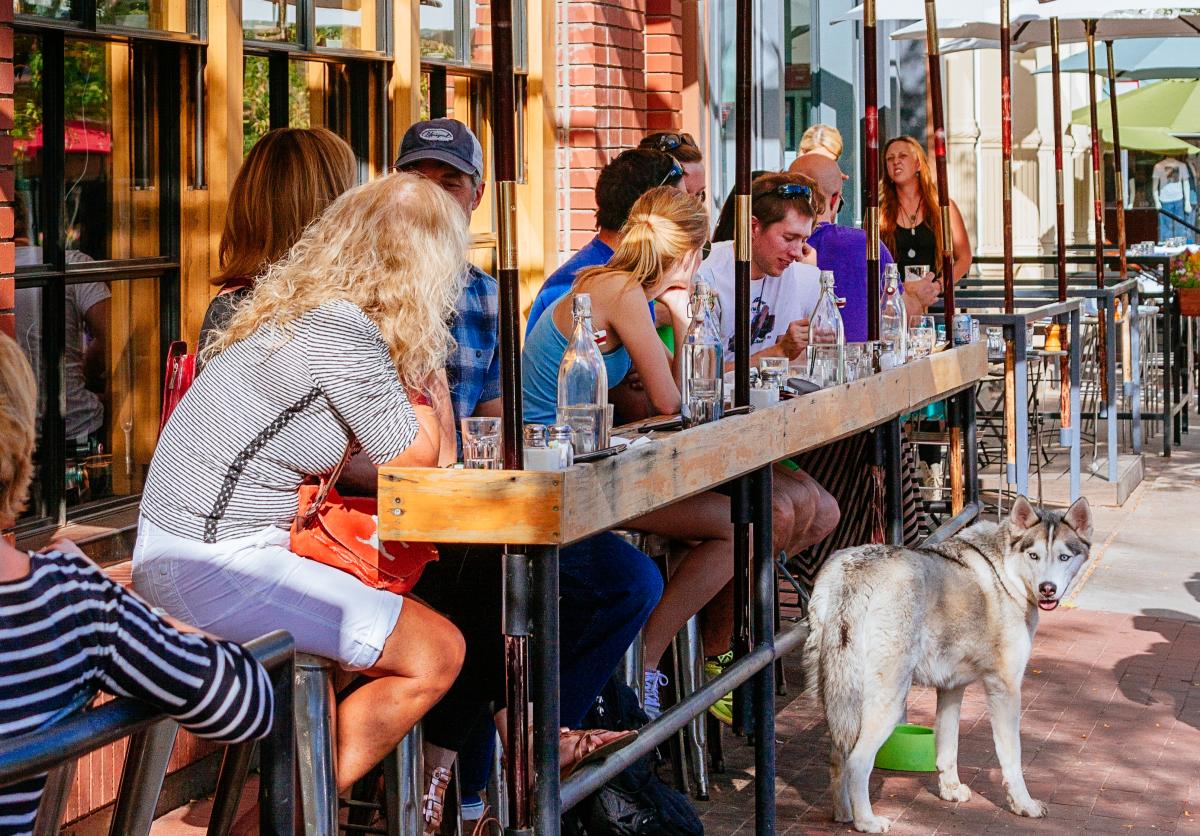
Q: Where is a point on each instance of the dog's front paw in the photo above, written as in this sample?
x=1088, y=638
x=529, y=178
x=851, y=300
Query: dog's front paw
x=954, y=792
x=1031, y=808
x=874, y=824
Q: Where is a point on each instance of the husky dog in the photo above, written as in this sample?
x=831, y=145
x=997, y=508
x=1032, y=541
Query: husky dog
x=961, y=611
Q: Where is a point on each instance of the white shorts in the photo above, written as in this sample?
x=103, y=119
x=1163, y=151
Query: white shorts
x=241, y=588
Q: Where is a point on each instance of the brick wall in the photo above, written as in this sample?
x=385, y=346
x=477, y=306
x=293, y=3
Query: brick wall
x=664, y=65
x=624, y=68
x=7, y=283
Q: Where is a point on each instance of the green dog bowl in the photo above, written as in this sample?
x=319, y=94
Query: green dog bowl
x=909, y=749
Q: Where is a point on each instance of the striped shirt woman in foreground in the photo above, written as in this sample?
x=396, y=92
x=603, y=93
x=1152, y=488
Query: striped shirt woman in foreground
x=68, y=632
x=323, y=356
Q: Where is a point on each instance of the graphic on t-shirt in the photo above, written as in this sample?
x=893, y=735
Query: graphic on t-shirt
x=762, y=323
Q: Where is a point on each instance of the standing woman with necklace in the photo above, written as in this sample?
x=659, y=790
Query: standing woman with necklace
x=909, y=221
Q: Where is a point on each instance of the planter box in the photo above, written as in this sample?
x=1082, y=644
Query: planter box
x=1189, y=301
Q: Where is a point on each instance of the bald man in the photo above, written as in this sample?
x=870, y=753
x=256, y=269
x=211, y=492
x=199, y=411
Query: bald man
x=843, y=249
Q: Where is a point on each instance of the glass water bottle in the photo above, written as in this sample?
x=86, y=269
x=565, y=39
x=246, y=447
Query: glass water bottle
x=826, y=337
x=893, y=327
x=702, y=398
x=583, y=382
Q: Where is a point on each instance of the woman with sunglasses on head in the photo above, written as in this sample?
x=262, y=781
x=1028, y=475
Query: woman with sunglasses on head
x=910, y=222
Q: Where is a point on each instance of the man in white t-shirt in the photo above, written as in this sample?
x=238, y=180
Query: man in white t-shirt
x=784, y=279
x=784, y=286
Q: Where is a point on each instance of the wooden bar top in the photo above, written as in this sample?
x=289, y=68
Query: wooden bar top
x=530, y=508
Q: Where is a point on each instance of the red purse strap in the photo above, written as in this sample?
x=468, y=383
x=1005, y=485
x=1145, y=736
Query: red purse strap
x=325, y=484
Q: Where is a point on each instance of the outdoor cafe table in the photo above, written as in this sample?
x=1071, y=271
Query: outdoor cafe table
x=542, y=511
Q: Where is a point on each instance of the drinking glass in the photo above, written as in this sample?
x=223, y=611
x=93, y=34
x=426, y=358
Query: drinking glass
x=587, y=426
x=481, y=443
x=772, y=372
x=825, y=363
x=704, y=395
x=915, y=272
x=921, y=339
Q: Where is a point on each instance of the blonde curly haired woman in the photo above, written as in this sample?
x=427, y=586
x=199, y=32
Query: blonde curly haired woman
x=340, y=344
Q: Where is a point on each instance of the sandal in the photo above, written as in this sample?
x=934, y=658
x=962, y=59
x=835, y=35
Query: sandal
x=590, y=745
x=434, y=801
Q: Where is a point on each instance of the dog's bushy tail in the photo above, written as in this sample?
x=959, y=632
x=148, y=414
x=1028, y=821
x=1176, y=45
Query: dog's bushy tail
x=833, y=657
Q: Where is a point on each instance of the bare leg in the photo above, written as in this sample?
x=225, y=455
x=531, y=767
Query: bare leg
x=949, y=704
x=703, y=571
x=815, y=511
x=419, y=663
x=1004, y=704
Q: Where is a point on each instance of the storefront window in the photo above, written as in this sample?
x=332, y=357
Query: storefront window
x=87, y=202
x=797, y=71
x=459, y=32
x=269, y=20
x=163, y=15
x=52, y=9
x=346, y=24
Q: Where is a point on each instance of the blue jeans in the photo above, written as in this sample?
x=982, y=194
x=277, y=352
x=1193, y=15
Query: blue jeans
x=1168, y=228
x=608, y=589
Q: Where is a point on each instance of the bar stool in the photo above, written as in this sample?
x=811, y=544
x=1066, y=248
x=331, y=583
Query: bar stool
x=689, y=674
x=316, y=732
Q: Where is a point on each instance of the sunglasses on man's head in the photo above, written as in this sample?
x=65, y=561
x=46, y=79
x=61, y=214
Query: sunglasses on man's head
x=668, y=142
x=675, y=174
x=792, y=191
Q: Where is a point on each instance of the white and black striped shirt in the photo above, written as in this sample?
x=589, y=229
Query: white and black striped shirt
x=67, y=631
x=268, y=412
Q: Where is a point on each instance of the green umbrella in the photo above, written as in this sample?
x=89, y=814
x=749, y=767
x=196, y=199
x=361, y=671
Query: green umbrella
x=1143, y=59
x=1151, y=115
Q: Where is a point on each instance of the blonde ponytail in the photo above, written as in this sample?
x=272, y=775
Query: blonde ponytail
x=664, y=226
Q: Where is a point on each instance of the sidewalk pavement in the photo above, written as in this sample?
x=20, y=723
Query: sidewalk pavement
x=1110, y=727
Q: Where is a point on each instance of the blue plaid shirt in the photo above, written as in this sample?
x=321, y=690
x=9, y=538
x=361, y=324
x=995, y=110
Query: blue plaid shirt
x=473, y=367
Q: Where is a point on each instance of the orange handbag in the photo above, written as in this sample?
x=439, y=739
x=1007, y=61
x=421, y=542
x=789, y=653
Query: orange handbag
x=343, y=532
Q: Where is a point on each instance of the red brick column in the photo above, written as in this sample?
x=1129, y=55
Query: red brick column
x=607, y=79
x=7, y=181
x=664, y=65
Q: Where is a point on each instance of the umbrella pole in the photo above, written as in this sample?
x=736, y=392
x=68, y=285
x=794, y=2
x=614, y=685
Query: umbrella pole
x=1097, y=198
x=871, y=165
x=1060, y=222
x=1010, y=360
x=516, y=626
x=933, y=51
x=1118, y=173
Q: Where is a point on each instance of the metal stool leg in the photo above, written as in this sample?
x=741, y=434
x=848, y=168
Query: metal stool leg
x=695, y=736
x=497, y=788
x=54, y=800
x=141, y=782
x=235, y=766
x=315, y=736
x=633, y=667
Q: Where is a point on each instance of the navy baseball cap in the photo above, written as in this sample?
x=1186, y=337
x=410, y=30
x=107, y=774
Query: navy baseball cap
x=445, y=140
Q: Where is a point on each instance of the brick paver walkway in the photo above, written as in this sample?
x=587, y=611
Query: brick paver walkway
x=1110, y=734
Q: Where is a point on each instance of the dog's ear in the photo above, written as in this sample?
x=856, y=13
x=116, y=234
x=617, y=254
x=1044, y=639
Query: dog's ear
x=1079, y=518
x=1023, y=515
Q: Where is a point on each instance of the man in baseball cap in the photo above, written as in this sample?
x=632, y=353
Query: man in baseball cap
x=447, y=152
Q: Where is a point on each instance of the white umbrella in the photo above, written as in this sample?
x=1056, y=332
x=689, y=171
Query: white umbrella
x=1114, y=19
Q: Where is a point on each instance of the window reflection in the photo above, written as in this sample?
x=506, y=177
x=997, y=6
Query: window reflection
x=345, y=24
x=143, y=14
x=53, y=9
x=269, y=20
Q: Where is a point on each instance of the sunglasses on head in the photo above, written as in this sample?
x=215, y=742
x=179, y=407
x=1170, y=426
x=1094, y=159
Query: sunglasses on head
x=668, y=142
x=793, y=191
x=676, y=173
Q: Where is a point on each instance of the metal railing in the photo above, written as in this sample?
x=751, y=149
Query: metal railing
x=152, y=734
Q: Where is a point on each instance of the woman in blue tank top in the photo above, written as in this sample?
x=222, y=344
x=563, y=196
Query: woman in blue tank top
x=658, y=254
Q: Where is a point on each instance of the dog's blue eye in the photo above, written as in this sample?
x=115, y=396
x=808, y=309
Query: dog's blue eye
x=1064, y=557
x=1034, y=556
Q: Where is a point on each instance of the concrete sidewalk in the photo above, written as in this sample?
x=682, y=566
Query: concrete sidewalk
x=1111, y=720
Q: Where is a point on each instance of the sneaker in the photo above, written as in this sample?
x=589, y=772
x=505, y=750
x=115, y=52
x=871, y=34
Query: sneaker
x=722, y=709
x=650, y=700
x=473, y=809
